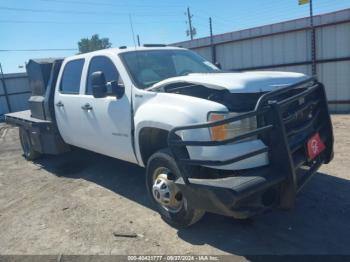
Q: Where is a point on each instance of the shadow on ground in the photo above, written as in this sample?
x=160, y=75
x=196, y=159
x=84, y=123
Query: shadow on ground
x=318, y=225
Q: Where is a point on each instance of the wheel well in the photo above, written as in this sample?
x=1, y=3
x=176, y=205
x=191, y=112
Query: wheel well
x=151, y=140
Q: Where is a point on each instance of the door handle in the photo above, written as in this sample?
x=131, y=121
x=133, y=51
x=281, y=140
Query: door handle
x=59, y=104
x=86, y=107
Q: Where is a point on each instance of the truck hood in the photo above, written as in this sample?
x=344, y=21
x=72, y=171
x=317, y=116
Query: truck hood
x=245, y=82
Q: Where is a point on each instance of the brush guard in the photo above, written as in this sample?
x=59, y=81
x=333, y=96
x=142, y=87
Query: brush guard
x=278, y=113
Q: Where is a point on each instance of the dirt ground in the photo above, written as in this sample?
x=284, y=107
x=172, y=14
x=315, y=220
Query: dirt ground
x=74, y=203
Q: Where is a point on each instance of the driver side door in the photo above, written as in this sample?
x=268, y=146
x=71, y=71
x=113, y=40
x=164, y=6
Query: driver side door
x=107, y=120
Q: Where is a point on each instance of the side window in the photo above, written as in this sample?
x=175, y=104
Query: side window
x=105, y=65
x=70, y=82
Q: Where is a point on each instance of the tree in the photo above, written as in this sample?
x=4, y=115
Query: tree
x=94, y=43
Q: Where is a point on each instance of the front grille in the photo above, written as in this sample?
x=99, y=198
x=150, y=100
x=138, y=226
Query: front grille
x=300, y=112
x=237, y=102
x=301, y=119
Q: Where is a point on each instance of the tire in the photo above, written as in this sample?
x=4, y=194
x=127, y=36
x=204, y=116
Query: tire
x=182, y=215
x=27, y=146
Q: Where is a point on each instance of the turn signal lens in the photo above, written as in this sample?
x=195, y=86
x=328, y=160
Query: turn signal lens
x=232, y=129
x=217, y=132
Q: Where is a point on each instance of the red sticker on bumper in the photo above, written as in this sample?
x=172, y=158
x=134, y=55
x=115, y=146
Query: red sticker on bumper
x=315, y=146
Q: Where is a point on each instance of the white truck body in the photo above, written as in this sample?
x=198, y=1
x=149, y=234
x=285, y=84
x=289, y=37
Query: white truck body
x=232, y=143
x=107, y=128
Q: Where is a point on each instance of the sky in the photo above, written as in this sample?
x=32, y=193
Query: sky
x=60, y=24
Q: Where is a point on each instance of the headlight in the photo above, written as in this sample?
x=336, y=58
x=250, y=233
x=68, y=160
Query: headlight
x=232, y=129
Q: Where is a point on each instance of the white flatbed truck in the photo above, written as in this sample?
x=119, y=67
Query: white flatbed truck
x=232, y=143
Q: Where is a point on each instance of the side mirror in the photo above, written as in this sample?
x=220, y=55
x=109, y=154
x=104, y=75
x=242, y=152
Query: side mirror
x=218, y=65
x=117, y=89
x=98, y=81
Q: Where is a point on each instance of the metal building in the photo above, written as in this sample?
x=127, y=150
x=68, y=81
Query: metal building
x=14, y=93
x=286, y=46
x=283, y=46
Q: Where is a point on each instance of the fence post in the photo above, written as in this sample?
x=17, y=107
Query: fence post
x=5, y=89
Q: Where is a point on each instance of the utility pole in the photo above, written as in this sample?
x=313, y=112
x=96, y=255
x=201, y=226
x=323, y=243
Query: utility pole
x=213, y=51
x=313, y=36
x=189, y=16
x=313, y=41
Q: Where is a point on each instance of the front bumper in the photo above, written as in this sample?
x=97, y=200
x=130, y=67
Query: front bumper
x=287, y=118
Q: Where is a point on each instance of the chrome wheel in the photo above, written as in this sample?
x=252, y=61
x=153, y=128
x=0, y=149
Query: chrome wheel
x=165, y=191
x=161, y=174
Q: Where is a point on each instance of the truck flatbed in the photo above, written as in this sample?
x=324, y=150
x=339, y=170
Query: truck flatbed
x=24, y=118
x=43, y=134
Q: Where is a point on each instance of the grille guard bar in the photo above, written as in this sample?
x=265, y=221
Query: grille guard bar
x=267, y=104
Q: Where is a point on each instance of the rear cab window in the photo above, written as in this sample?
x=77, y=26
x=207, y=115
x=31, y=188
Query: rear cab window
x=70, y=81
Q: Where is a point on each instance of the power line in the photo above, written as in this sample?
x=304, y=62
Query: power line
x=81, y=22
x=38, y=50
x=252, y=15
x=107, y=4
x=80, y=12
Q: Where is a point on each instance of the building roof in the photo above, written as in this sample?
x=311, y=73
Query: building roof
x=265, y=30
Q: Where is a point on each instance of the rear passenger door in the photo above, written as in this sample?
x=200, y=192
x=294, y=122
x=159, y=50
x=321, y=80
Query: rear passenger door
x=67, y=103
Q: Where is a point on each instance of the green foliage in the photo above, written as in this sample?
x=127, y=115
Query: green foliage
x=94, y=43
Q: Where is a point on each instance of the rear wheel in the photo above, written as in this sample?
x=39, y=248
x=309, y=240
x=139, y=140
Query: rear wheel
x=161, y=173
x=27, y=146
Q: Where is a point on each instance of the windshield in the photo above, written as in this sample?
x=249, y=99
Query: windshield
x=149, y=67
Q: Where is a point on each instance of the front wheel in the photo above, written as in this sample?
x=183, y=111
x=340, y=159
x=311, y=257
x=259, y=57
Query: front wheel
x=161, y=173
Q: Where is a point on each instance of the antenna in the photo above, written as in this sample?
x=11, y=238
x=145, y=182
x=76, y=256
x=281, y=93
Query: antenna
x=138, y=40
x=212, y=46
x=132, y=30
x=133, y=38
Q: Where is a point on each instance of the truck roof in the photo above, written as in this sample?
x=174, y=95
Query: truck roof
x=125, y=49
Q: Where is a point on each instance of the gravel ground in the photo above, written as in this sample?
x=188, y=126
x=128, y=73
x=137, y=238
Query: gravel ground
x=78, y=202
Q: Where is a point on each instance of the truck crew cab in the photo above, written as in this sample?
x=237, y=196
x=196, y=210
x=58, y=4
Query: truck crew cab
x=235, y=144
